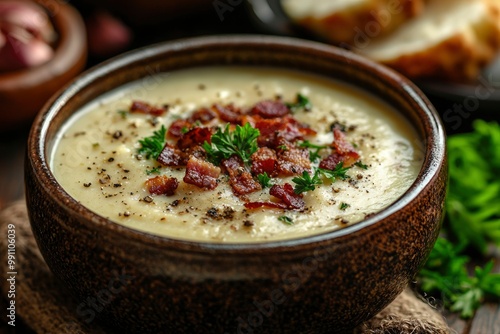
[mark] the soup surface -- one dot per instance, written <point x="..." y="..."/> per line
<point x="336" y="155"/>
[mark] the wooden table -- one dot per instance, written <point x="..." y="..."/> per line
<point x="12" y="150"/>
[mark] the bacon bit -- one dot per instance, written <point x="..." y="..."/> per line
<point x="201" y="173"/>
<point x="274" y="130"/>
<point x="272" y="205"/>
<point x="340" y="143"/>
<point x="286" y="194"/>
<point x="162" y="185"/>
<point x="293" y="161"/>
<point x="171" y="156"/>
<point x="146" y="108"/>
<point x="270" y="109"/>
<point x="194" y="137"/>
<point x="344" y="152"/>
<point x="202" y="115"/>
<point x="264" y="161"/>
<point x="228" y="113"/>
<point x="175" y="129"/>
<point x="240" y="179"/>
<point x="331" y="161"/>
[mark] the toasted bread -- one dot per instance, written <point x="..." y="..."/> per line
<point x="451" y="40"/>
<point x="341" y="21"/>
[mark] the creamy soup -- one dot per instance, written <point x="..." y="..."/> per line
<point x="98" y="158"/>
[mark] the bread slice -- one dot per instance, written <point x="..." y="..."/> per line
<point x="342" y="21"/>
<point x="451" y="40"/>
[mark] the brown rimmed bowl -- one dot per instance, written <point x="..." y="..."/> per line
<point x="328" y="282"/>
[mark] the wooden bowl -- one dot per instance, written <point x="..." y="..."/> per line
<point x="23" y="92"/>
<point x="324" y="283"/>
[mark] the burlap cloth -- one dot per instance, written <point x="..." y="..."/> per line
<point x="45" y="306"/>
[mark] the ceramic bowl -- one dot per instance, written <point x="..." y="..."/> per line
<point x="324" y="283"/>
<point x="24" y="92"/>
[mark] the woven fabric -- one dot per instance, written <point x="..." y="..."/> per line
<point x="46" y="307"/>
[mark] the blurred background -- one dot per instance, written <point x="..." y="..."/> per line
<point x="46" y="43"/>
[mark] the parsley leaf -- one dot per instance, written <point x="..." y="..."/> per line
<point x="306" y="182"/>
<point x="155" y="170"/>
<point x="153" y="145"/>
<point x="313" y="154"/>
<point x="360" y="164"/>
<point x="472" y="223"/>
<point x="241" y="142"/>
<point x="286" y="220"/>
<point x="264" y="180"/>
<point x="344" y="206"/>
<point x="338" y="172"/>
<point x="302" y="102"/>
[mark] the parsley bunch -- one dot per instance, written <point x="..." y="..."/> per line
<point x="241" y="142"/>
<point x="472" y="222"/>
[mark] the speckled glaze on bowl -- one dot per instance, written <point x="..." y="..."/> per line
<point x="324" y="283"/>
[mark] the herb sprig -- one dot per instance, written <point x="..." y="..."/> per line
<point x="302" y="103"/>
<point x="306" y="182"/>
<point x="241" y="142"/>
<point x="264" y="180"/>
<point x="472" y="223"/>
<point x="152" y="146"/>
<point x="313" y="154"/>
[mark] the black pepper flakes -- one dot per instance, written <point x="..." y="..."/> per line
<point x="117" y="134"/>
<point x="148" y="199"/>
<point x="86" y="185"/>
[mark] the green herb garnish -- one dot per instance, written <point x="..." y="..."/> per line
<point x="123" y="113"/>
<point x="306" y="182"/>
<point x="302" y="103"/>
<point x="472" y="223"/>
<point x="241" y="142"/>
<point x="264" y="180"/>
<point x="286" y="220"/>
<point x="153" y="145"/>
<point x="313" y="154"/>
<point x="338" y="172"/>
<point x="154" y="170"/>
<point x="446" y="272"/>
<point x="361" y="165"/>
<point x="344" y="206"/>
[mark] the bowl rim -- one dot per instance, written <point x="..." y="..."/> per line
<point x="434" y="161"/>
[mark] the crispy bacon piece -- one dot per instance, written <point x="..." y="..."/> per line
<point x="240" y="179"/>
<point x="293" y="160"/>
<point x="193" y="137"/>
<point x="175" y="129"/>
<point x="264" y="161"/>
<point x="331" y="161"/>
<point x="201" y="173"/>
<point x="340" y="143"/>
<point x="270" y="109"/>
<point x="275" y="130"/>
<point x="162" y="185"/>
<point x="228" y="113"/>
<point x="146" y="108"/>
<point x="203" y="115"/>
<point x="289" y="199"/>
<point x="344" y="152"/>
<point x="172" y="156"/>
<point x="286" y="194"/>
